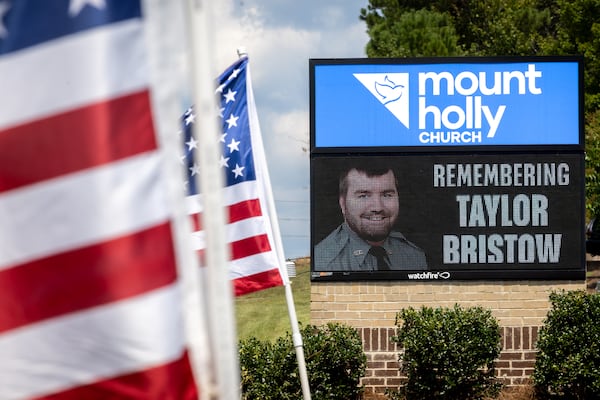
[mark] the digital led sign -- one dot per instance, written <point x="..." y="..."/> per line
<point x="362" y="103"/>
<point x="447" y="169"/>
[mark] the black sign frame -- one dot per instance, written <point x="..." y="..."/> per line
<point x="414" y="168"/>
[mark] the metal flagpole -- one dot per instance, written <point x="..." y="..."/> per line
<point x="166" y="40"/>
<point x="296" y="336"/>
<point x="297" y="339"/>
<point x="218" y="289"/>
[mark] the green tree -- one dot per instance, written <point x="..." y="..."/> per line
<point x="576" y="30"/>
<point x="417" y="34"/>
<point x="491" y="27"/>
<point x="592" y="162"/>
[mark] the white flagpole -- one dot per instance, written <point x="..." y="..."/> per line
<point x="259" y="155"/>
<point x="219" y="288"/>
<point x="166" y="40"/>
<point x="297" y="340"/>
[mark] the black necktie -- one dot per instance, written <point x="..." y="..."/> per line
<point x="381" y="255"/>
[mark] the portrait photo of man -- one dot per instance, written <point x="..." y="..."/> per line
<point x="366" y="239"/>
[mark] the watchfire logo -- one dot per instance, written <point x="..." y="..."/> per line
<point x="429" y="275"/>
<point x="464" y="119"/>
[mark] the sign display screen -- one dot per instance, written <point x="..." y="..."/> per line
<point x="446" y="104"/>
<point x="473" y="216"/>
<point x="457" y="169"/>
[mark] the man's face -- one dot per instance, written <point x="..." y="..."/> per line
<point x="370" y="205"/>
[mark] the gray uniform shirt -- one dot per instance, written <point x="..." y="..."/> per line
<point x="343" y="250"/>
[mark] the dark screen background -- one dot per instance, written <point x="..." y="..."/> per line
<point x="428" y="213"/>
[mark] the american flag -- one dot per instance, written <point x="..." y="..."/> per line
<point x="89" y="290"/>
<point x="255" y="262"/>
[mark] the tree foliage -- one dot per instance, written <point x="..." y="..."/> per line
<point x="592" y="162"/>
<point x="568" y="362"/>
<point x="416" y="28"/>
<point x="417" y="34"/>
<point x="491" y="27"/>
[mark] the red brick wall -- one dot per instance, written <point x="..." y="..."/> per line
<point x="383" y="370"/>
<point x="517" y="359"/>
<point x="514" y="367"/>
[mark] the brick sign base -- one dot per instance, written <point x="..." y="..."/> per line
<point x="514" y="367"/>
<point x="371" y="307"/>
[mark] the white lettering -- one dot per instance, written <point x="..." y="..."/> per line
<point x="473" y="114"/>
<point x="531" y="76"/>
<point x="479" y="210"/>
<point x="493" y="120"/>
<point x="454" y="117"/>
<point x="437" y="137"/>
<point x="468" y="83"/>
<point x="472" y="87"/>
<point x="517" y="174"/>
<point x="507" y="248"/>
<point x="451" y="249"/>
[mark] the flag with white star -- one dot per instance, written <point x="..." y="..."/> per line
<point x="256" y="263"/>
<point x="89" y="287"/>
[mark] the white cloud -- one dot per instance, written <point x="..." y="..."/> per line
<point x="280" y="37"/>
<point x="279" y="53"/>
<point x="287" y="143"/>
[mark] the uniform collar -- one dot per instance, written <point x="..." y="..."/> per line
<point x="359" y="248"/>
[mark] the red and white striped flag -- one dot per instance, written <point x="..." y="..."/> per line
<point x="256" y="256"/>
<point x="89" y="293"/>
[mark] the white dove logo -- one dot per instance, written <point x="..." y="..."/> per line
<point x="388" y="91"/>
<point x="391" y="89"/>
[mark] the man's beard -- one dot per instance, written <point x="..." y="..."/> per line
<point x="372" y="232"/>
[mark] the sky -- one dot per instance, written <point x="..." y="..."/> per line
<point x="280" y="37"/>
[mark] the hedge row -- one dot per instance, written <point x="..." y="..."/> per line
<point x="447" y="354"/>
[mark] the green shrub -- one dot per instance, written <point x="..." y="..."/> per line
<point x="568" y="361"/>
<point x="268" y="370"/>
<point x="335" y="362"/>
<point x="447" y="353"/>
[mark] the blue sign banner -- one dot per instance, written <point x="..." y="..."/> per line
<point x="529" y="102"/>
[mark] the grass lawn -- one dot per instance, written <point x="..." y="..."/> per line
<point x="264" y="314"/>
